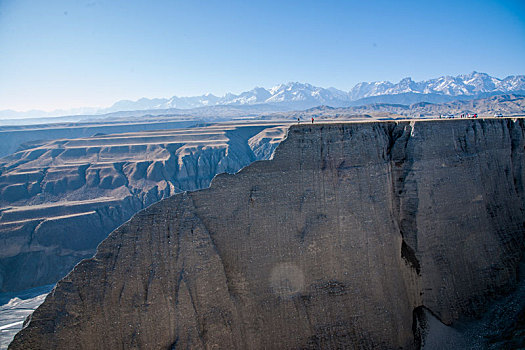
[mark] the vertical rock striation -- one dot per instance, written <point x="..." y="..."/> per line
<point x="341" y="241"/>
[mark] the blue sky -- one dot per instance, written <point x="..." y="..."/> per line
<point x="73" y="53"/>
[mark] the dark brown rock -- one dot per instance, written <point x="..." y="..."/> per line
<point x="338" y="242"/>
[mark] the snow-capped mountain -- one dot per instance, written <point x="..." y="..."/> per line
<point x="254" y="96"/>
<point x="165" y="103"/>
<point x="298" y="92"/>
<point x="297" y="95"/>
<point x="302" y="96"/>
<point x="463" y="85"/>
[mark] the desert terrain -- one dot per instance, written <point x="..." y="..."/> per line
<point x="389" y="203"/>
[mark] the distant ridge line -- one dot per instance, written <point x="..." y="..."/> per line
<point x="296" y="95"/>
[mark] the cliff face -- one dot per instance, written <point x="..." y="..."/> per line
<point x="342" y="240"/>
<point x="60" y="199"/>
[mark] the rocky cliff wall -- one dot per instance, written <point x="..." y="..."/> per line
<point x="344" y="240"/>
<point x="60" y="199"/>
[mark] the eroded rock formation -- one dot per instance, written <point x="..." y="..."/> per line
<point x="343" y="240"/>
<point x="18" y="137"/>
<point x="60" y="199"/>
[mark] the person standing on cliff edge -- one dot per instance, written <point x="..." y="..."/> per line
<point x="312" y="120"/>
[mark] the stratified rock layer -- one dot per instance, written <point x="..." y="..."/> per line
<point x="60" y="199"/>
<point x="340" y="241"/>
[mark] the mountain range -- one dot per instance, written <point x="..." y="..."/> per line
<point x="295" y="95"/>
<point x="504" y="105"/>
<point x="302" y="95"/>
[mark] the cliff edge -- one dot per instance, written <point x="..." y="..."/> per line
<point x="345" y="239"/>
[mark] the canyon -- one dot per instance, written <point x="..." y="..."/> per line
<point x="17" y="137"/>
<point x="59" y="199"/>
<point x="352" y="235"/>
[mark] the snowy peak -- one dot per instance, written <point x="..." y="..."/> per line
<point x="299" y="92"/>
<point x="296" y="95"/>
<point x="370" y="89"/>
<point x="304" y="95"/>
<point x="254" y="96"/>
<point x="463" y="85"/>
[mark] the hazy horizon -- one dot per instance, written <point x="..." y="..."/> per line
<point x="64" y="55"/>
<point x="93" y="109"/>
